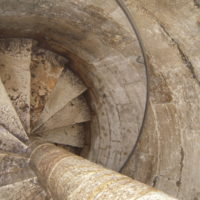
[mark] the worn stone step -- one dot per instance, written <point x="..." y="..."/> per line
<point x="8" y="116"/>
<point x="28" y="189"/>
<point x="10" y="143"/>
<point x="16" y="175"/>
<point x="74" y="112"/>
<point x="11" y="162"/>
<point x="46" y="68"/>
<point x="15" y="59"/>
<point x="71" y="135"/>
<point x="68" y="87"/>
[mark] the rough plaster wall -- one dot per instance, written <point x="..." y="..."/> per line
<point x="167" y="155"/>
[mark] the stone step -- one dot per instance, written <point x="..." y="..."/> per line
<point x="68" y="87"/>
<point x="71" y="135"/>
<point x="28" y="189"/>
<point x="16" y="175"/>
<point x="46" y="68"/>
<point x="15" y="59"/>
<point x="11" y="162"/>
<point x="10" y="143"/>
<point x="74" y="112"/>
<point x="8" y="116"/>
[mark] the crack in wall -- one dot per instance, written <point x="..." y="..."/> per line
<point x="184" y="57"/>
<point x="157" y="173"/>
<point x="179" y="182"/>
<point x="189" y="65"/>
<point x="155" y="180"/>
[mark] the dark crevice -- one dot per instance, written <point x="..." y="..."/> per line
<point x="155" y="180"/>
<point x="184" y="57"/>
<point x="197" y="3"/>
<point x="179" y="182"/>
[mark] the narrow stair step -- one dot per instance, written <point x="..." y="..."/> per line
<point x="71" y="135"/>
<point x="68" y="87"/>
<point x="15" y="59"/>
<point x="16" y="175"/>
<point x="46" y="68"/>
<point x="28" y="189"/>
<point x="8" y="116"/>
<point x="11" y="162"/>
<point x="10" y="143"/>
<point x="76" y="111"/>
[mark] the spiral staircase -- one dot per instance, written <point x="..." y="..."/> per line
<point x="72" y="74"/>
<point x="74" y="77"/>
<point x="40" y="98"/>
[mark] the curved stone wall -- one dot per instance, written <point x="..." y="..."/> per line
<point x="104" y="52"/>
<point x="167" y="156"/>
<point x="98" y="40"/>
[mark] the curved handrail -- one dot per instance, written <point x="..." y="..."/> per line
<point x="136" y="31"/>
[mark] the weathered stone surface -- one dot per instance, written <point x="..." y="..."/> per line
<point x="17" y="175"/>
<point x="10" y="143"/>
<point x="46" y="68"/>
<point x="11" y="162"/>
<point x="68" y="87"/>
<point x="167" y="155"/>
<point x="71" y="177"/>
<point x="74" y="112"/>
<point x="15" y="58"/>
<point x="25" y="190"/>
<point x="168" y="145"/>
<point x="71" y="135"/>
<point x="8" y="116"/>
<point x="103" y="52"/>
<point x="13" y="168"/>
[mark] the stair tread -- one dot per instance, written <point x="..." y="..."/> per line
<point x="68" y="87"/>
<point x="8" y="116"/>
<point x="27" y="189"/>
<point x="46" y="68"/>
<point x="71" y="135"/>
<point x="74" y="112"/>
<point x="16" y="175"/>
<point x="10" y="143"/>
<point x="10" y="163"/>
<point x="14" y="154"/>
<point x="15" y="58"/>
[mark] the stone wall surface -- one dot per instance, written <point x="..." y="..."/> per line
<point x="167" y="155"/>
<point x="103" y="50"/>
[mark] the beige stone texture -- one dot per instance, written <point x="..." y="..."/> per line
<point x="8" y="116"/>
<point x="10" y="162"/>
<point x="46" y="68"/>
<point x="10" y="143"/>
<point x="167" y="155"/>
<point x="15" y="59"/>
<point x="104" y="52"/>
<point x="17" y="175"/>
<point x="68" y="87"/>
<point x="28" y="189"/>
<point x="96" y="38"/>
<point x="71" y="135"/>
<point x="71" y="177"/>
<point x="76" y="111"/>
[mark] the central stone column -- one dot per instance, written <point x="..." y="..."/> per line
<point x="70" y="177"/>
